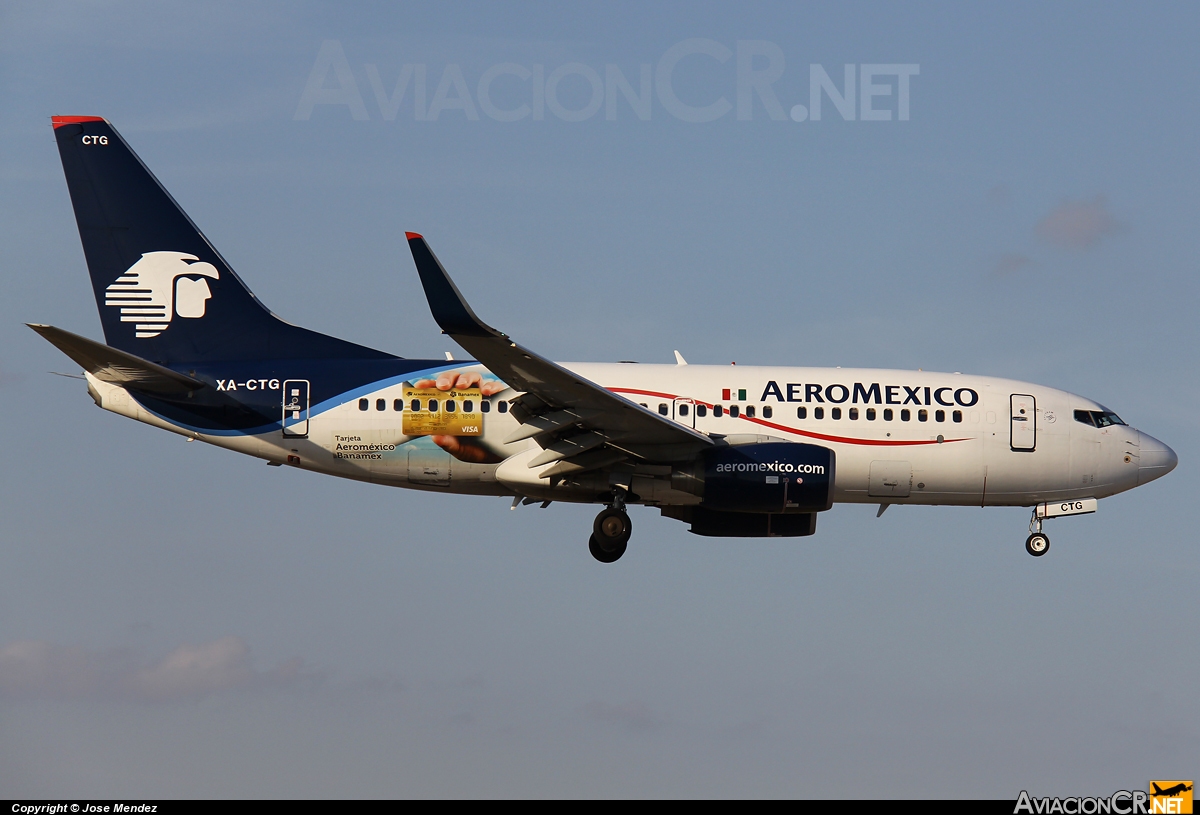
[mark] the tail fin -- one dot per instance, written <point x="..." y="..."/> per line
<point x="164" y="293"/>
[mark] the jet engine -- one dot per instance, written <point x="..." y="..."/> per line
<point x="759" y="490"/>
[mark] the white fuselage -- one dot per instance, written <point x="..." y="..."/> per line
<point x="906" y="437"/>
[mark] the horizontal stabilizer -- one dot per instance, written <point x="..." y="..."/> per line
<point x="117" y="367"/>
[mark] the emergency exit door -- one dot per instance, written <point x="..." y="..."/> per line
<point x="1022" y="421"/>
<point x="295" y="407"/>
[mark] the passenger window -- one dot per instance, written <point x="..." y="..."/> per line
<point x="870" y="414"/>
<point x="381" y="404"/>
<point x="835" y="413"/>
<point x="767" y="412"/>
<point x="957" y="415"/>
<point x="397" y="404"/>
<point x="364" y="404"/>
<point x="450" y="405"/>
<point x="683" y="409"/>
<point x="485" y="406"/>
<point x="905" y="415"/>
<point x="468" y="406"/>
<point x="416" y="405"/>
<point x="718" y="411"/>
<point x="818" y="413"/>
<point x="433" y="405"/>
<point x="750" y="411"/>
<point x="801" y="413"/>
<point x="701" y="411"/>
<point x="662" y="409"/>
<point x="922" y="415"/>
<point x="854" y="414"/>
<point x="735" y="410"/>
<point x="887" y="414"/>
<point x="940" y="415"/>
<point x="502" y="406"/>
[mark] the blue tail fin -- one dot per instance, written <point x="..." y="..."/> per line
<point x="164" y="293"/>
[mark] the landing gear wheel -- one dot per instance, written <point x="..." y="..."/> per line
<point x="1037" y="544"/>
<point x="606" y="555"/>
<point x="612" y="528"/>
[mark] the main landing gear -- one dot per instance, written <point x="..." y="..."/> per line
<point x="1038" y="543"/>
<point x="610" y="532"/>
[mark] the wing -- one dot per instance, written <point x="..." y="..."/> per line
<point x="580" y="424"/>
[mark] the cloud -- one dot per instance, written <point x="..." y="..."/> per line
<point x="1010" y="262"/>
<point x="39" y="669"/>
<point x="42" y="670"/>
<point x="193" y="671"/>
<point x="633" y="715"/>
<point x="1078" y="224"/>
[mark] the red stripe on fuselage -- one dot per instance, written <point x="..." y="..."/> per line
<point x="807" y="433"/>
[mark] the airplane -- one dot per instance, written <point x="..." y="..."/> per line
<point x="734" y="451"/>
<point x="1170" y="792"/>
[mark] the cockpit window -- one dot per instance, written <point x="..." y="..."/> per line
<point x="1098" y="418"/>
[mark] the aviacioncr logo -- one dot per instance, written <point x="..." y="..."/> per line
<point x="158" y="287"/>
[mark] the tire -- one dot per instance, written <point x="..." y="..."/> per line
<point x="1037" y="544"/>
<point x="610" y="555"/>
<point x="612" y="528"/>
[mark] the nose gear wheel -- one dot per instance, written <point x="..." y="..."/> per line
<point x="1037" y="544"/>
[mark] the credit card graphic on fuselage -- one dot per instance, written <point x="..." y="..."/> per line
<point x="433" y="412"/>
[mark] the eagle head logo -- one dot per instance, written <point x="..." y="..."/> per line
<point x="158" y="287"/>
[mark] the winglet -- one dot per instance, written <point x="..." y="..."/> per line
<point x="446" y="303"/>
<point x="411" y="235"/>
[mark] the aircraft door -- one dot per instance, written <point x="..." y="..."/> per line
<point x="1022" y="421"/>
<point x="684" y="412"/>
<point x="295" y="407"/>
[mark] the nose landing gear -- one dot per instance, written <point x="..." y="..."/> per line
<point x="610" y="532"/>
<point x="1038" y="543"/>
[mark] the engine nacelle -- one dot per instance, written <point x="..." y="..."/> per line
<point x="713" y="523"/>
<point x="770" y="477"/>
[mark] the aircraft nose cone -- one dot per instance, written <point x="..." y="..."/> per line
<point x="1156" y="459"/>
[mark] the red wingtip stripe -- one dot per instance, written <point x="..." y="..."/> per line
<point x="412" y="235"/>
<point x="59" y="121"/>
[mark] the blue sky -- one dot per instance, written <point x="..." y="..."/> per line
<point x="176" y="620"/>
